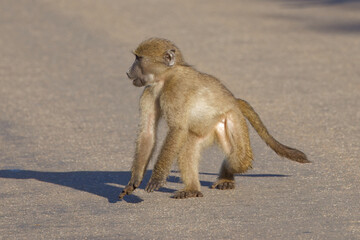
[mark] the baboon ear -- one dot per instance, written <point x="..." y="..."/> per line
<point x="169" y="57"/>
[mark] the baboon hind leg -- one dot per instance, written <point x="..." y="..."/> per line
<point x="233" y="136"/>
<point x="188" y="161"/>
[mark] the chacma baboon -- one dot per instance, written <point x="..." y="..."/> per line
<point x="198" y="110"/>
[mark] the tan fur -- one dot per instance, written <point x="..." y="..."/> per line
<point x="198" y="110"/>
<point x="280" y="149"/>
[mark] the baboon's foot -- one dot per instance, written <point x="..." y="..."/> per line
<point x="187" y="194"/>
<point x="224" y="184"/>
<point x="154" y="184"/>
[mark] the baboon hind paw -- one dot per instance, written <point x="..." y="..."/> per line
<point x="187" y="194"/>
<point x="224" y="184"/>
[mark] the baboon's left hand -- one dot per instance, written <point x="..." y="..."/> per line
<point x="154" y="184"/>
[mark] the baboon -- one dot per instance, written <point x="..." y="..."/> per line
<point x="198" y="110"/>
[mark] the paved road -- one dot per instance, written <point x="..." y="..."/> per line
<point x="68" y="118"/>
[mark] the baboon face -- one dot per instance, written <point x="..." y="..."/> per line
<point x="152" y="58"/>
<point x="138" y="74"/>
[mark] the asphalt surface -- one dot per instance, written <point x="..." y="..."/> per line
<point x="69" y="117"/>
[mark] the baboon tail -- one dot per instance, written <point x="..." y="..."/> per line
<point x="280" y="149"/>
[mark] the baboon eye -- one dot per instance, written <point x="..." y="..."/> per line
<point x="138" y="57"/>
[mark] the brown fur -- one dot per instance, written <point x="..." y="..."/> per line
<point x="198" y="110"/>
<point x="280" y="149"/>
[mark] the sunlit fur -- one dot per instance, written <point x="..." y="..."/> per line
<point x="198" y="110"/>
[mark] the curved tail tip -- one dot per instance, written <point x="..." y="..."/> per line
<point x="296" y="155"/>
<point x="301" y="157"/>
<point x="304" y="160"/>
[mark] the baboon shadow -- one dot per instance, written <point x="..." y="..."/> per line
<point x="101" y="183"/>
<point x="209" y="184"/>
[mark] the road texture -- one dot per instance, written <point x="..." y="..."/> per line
<point x="69" y="117"/>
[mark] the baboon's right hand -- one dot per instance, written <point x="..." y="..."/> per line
<point x="132" y="185"/>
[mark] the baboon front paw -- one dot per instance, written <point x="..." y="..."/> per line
<point x="132" y="185"/>
<point x="154" y="185"/>
<point x="224" y="184"/>
<point x="187" y="194"/>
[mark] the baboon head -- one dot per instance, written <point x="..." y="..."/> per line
<point x="152" y="58"/>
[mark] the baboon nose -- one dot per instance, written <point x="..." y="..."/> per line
<point x="128" y="75"/>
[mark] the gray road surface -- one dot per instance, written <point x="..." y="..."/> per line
<point x="68" y="118"/>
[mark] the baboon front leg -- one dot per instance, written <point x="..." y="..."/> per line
<point x="174" y="140"/>
<point x="188" y="161"/>
<point x="144" y="151"/>
<point x="150" y="114"/>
